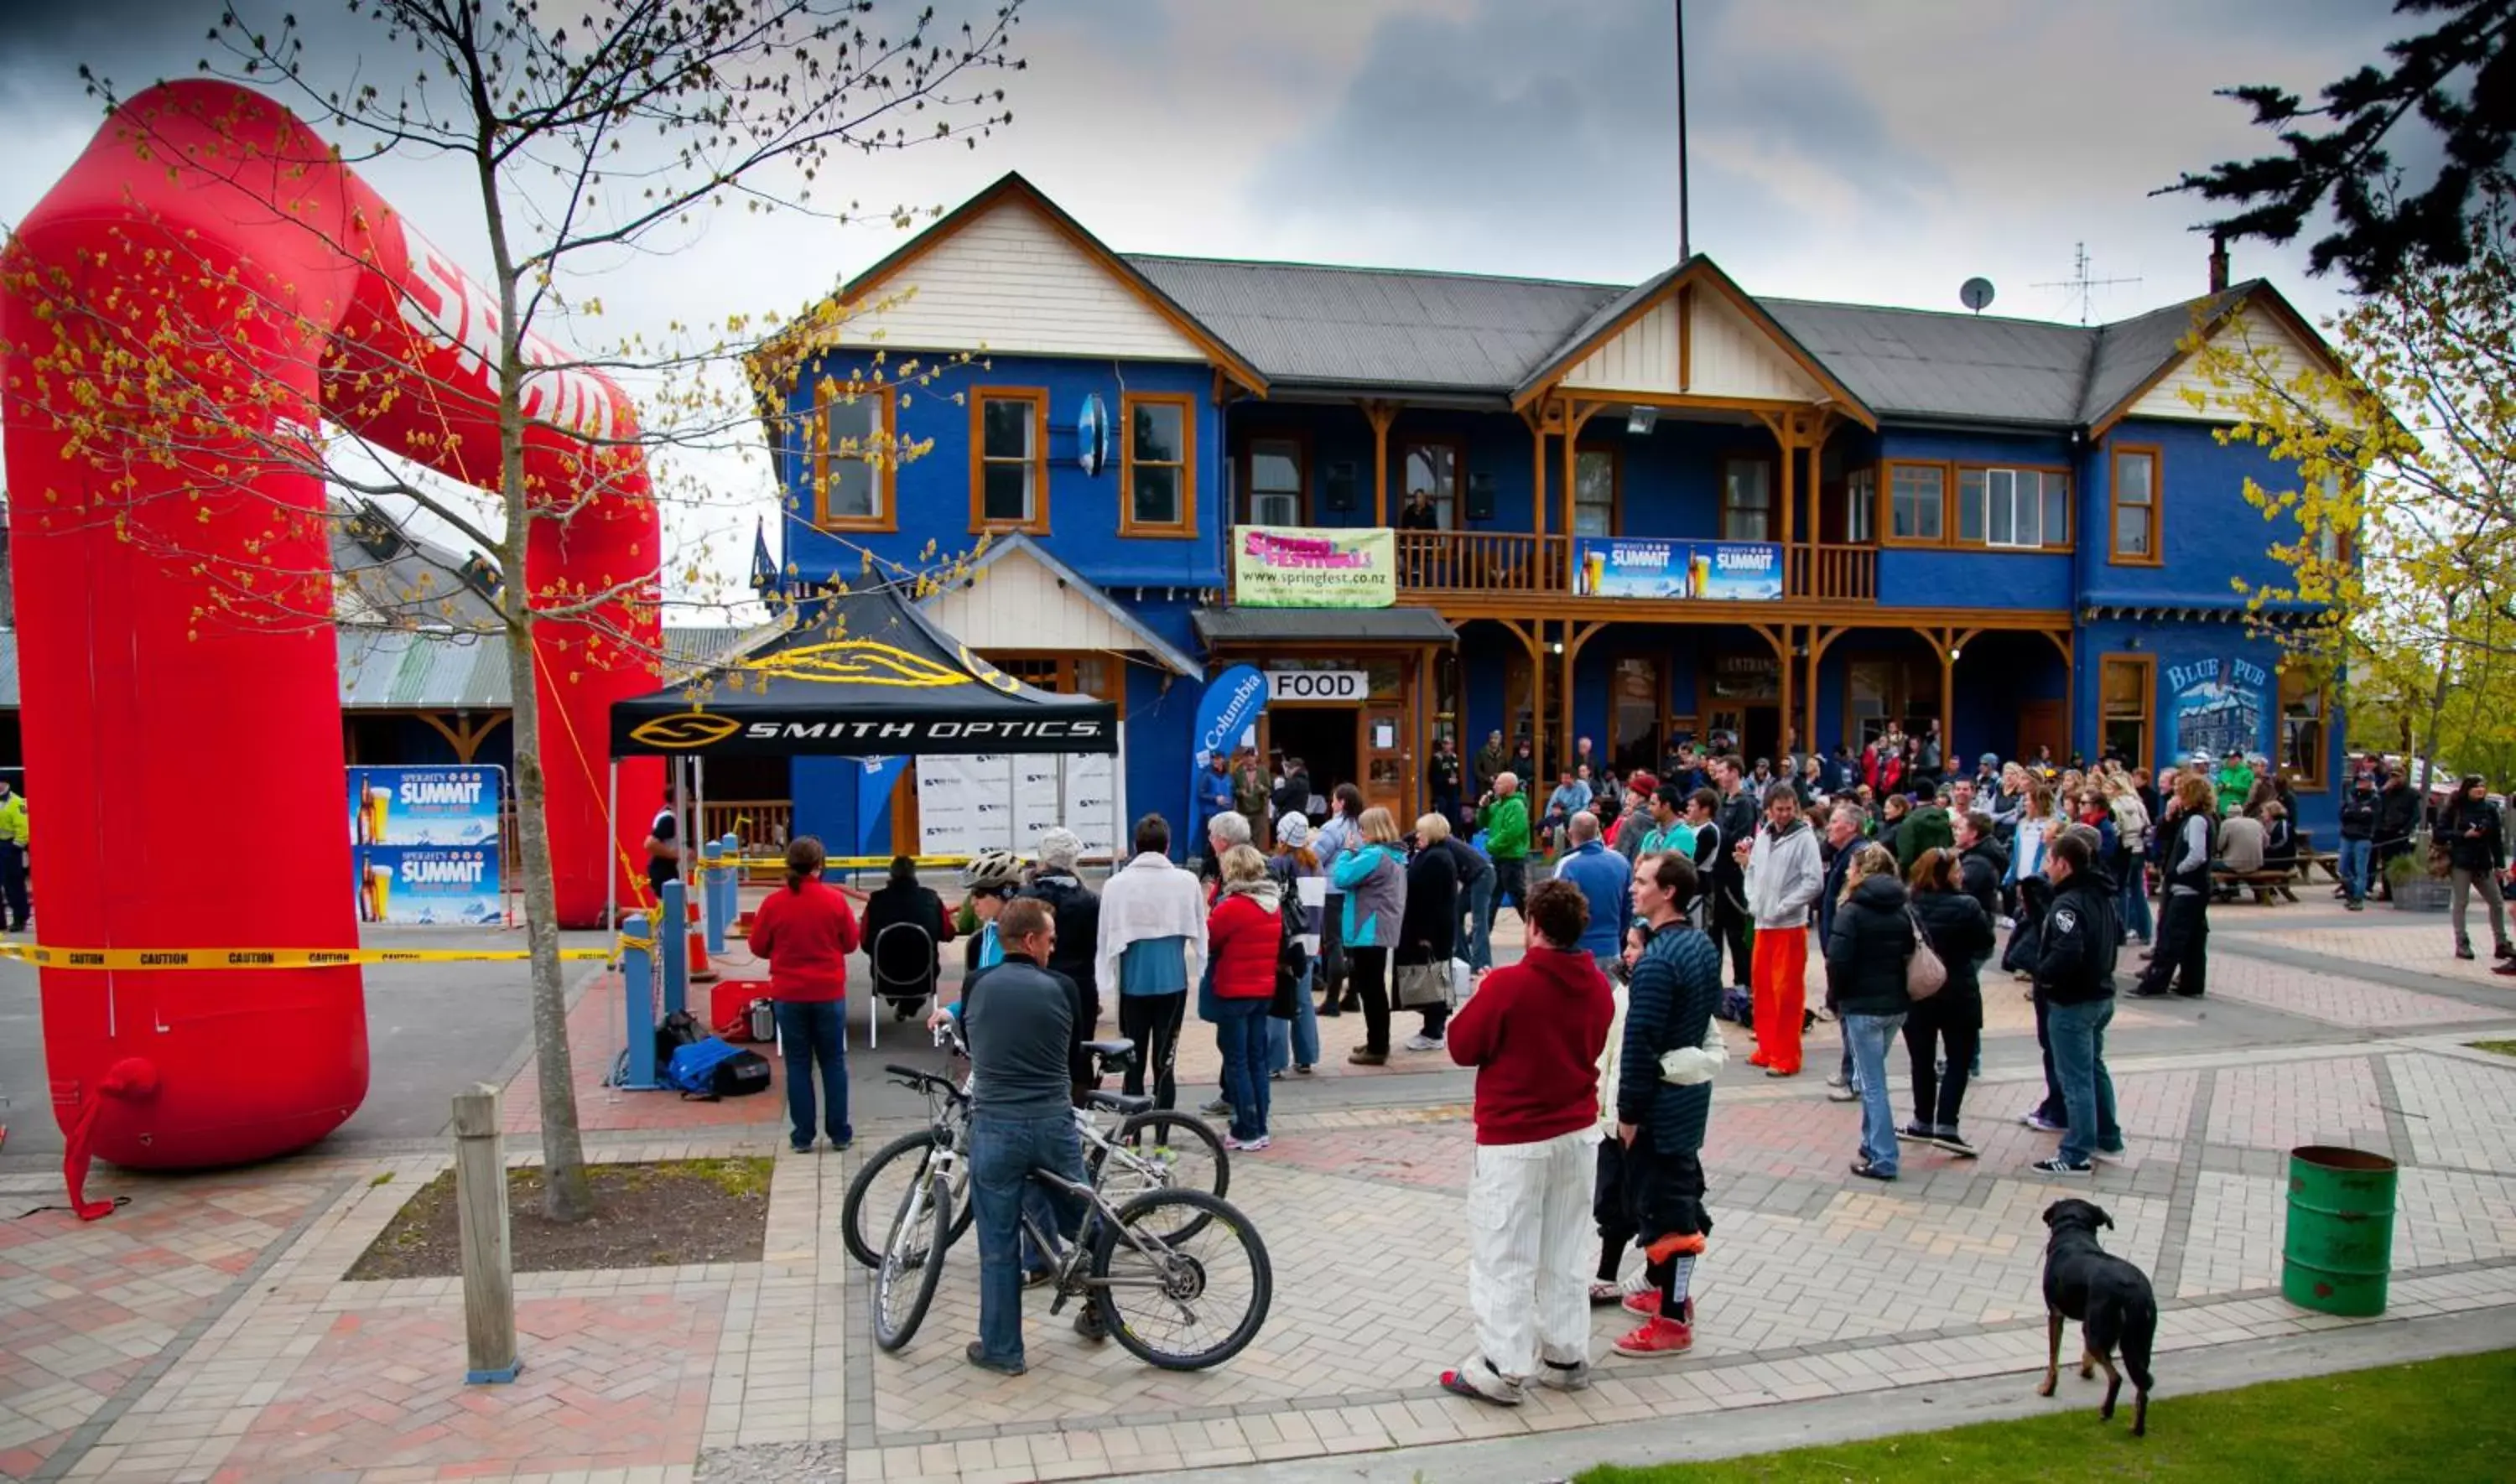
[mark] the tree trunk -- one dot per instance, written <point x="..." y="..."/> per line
<point x="565" y="1194"/>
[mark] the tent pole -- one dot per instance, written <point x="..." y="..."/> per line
<point x="698" y="815"/>
<point x="681" y="818"/>
<point x="1013" y="803"/>
<point x="612" y="852"/>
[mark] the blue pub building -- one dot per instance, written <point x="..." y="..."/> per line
<point x="1656" y="511"/>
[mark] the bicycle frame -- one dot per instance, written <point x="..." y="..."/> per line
<point x="1069" y="1283"/>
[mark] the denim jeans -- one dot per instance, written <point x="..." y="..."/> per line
<point x="1511" y="880"/>
<point x="1296" y="1042"/>
<point x="2132" y="907"/>
<point x="815" y="1032"/>
<point x="2079" y="1035"/>
<point x="1003" y="1152"/>
<point x="1240" y="1031"/>
<point x="2354" y="868"/>
<point x="1871" y="1035"/>
<point x="1477" y="932"/>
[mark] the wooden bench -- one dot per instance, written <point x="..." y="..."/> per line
<point x="2309" y="861"/>
<point x="2261" y="882"/>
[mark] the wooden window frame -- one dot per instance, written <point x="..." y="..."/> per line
<point x="1458" y="447"/>
<point x="2114" y="555"/>
<point x="1851" y="506"/>
<point x="2320" y="780"/>
<point x="1242" y="490"/>
<point x="1659" y="664"/>
<point x="1615" y="485"/>
<point x="1185" y="528"/>
<point x="829" y="393"/>
<point x="1951" y="493"/>
<point x="1037" y="398"/>
<point x="1773" y="495"/>
<point x="1887" y="536"/>
<point x="2146" y="665"/>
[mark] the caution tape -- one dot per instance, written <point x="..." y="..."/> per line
<point x="119" y="959"/>
<point x="839" y="862"/>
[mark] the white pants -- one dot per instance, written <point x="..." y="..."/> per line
<point x="1531" y="1249"/>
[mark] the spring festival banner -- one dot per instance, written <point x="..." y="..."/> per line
<point x="1290" y="567"/>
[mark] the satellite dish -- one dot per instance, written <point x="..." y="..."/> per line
<point x="1975" y="294"/>
<point x="1092" y="434"/>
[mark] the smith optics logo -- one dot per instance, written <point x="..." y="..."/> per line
<point x="688" y="728"/>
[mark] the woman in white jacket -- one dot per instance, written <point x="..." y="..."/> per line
<point x="1783" y="876"/>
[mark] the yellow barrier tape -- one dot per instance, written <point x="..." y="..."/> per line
<point x="842" y="862"/>
<point x="272" y="957"/>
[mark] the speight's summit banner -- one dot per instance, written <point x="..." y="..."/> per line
<point x="430" y="885"/>
<point x="425" y="805"/>
<point x="1623" y="566"/>
<point x="1300" y="567"/>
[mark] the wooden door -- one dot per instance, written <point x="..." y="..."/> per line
<point x="2044" y="723"/>
<point x="1381" y="741"/>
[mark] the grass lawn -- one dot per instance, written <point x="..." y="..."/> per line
<point x="2441" y="1421"/>
<point x="2502" y="1048"/>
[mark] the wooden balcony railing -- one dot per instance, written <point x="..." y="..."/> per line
<point x="1482" y="561"/>
<point x="1837" y="573"/>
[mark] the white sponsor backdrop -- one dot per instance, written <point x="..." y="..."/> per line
<point x="967" y="802"/>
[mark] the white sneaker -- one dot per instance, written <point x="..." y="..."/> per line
<point x="1425" y="1043"/>
<point x="1246" y="1146"/>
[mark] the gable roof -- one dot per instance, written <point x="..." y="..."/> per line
<point x="1918" y="363"/>
<point x="1001" y="547"/>
<point x="1312" y="325"/>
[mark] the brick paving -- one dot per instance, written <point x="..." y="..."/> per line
<point x="205" y="1331"/>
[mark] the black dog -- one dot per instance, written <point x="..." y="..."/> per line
<point x="2110" y="1298"/>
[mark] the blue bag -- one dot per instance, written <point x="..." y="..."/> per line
<point x="712" y="1069"/>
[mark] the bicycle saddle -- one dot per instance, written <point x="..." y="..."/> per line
<point x="1119" y="1103"/>
<point x="1119" y="1046"/>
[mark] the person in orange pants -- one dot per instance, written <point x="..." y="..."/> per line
<point x="1783" y="878"/>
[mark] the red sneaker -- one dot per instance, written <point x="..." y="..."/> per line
<point x="1645" y="1303"/>
<point x="1658" y="1336"/>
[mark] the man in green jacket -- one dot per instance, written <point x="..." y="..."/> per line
<point x="12" y="860"/>
<point x="1927" y="828"/>
<point x="1502" y="816"/>
<point x="2235" y="782"/>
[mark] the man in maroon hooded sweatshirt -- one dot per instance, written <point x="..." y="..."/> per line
<point x="1534" y="1031"/>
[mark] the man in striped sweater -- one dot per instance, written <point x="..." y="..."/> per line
<point x="1661" y="1123"/>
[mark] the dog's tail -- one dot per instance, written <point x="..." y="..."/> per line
<point x="2124" y="1322"/>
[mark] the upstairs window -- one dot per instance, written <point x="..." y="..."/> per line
<point x="1596" y="473"/>
<point x="1275" y="481"/>
<point x="1746" y="500"/>
<point x="1157" y="476"/>
<point x="852" y="444"/>
<point x="2136" y="506"/>
<point x="1861" y="507"/>
<point x="1432" y="469"/>
<point x="1917" y="502"/>
<point x="2014" y="508"/>
<point x="1008" y="459"/>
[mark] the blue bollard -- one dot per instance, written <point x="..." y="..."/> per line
<point x="638" y="980"/>
<point x="730" y="901"/>
<point x="712" y="895"/>
<point x="673" y="947"/>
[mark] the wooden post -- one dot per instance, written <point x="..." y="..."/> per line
<point x="1537" y="420"/>
<point x="488" y="1258"/>
<point x="1380" y="415"/>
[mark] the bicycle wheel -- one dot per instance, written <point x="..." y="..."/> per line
<point x="882" y="1184"/>
<point x="913" y="1263"/>
<point x="1164" y="1150"/>
<point x="1180" y="1303"/>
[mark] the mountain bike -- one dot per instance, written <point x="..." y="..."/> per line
<point x="1142" y="1151"/>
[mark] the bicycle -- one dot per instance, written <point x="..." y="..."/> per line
<point x="1146" y="1150"/>
<point x="1156" y="1244"/>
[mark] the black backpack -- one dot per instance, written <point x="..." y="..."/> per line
<point x="1292" y="959"/>
<point x="679" y="1029"/>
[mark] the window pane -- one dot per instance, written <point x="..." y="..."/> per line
<point x="2133" y="481"/>
<point x="1274" y="469"/>
<point x="1156" y="495"/>
<point x="1433" y="468"/>
<point x="1275" y="510"/>
<point x="1157" y="436"/>
<point x="1970" y="508"/>
<point x="1916" y="494"/>
<point x="1594" y="493"/>
<point x="1006" y="429"/>
<point x="850" y="492"/>
<point x="2131" y="530"/>
<point x="2029" y="504"/>
<point x="2000" y="525"/>
<point x="854" y="421"/>
<point x="2057" y="509"/>
<point x="1007" y="492"/>
<point x="1861" y="505"/>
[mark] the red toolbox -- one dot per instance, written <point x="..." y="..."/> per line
<point x="728" y="1001"/>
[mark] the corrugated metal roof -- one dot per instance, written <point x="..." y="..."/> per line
<point x="1923" y="364"/>
<point x="397" y="670"/>
<point x="1243" y="625"/>
<point x="1353" y="326"/>
<point x="2132" y="351"/>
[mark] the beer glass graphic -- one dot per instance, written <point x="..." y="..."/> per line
<point x="379" y="892"/>
<point x="1698" y="575"/>
<point x="373" y="807"/>
<point x="1594" y="571"/>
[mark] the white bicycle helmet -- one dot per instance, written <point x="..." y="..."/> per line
<point x="992" y="871"/>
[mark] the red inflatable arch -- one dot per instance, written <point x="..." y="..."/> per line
<point x="186" y="763"/>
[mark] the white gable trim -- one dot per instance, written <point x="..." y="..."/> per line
<point x="2265" y="339"/>
<point x="1717" y="352"/>
<point x="1010" y="281"/>
<point x="1018" y="597"/>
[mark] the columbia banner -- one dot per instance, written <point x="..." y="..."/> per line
<point x="1735" y="571"/>
<point x="1293" y="566"/>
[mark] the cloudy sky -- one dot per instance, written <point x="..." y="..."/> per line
<point x="1875" y="150"/>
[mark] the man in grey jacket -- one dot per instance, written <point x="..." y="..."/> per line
<point x="1783" y="878"/>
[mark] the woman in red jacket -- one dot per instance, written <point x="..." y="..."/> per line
<point x="805" y="933"/>
<point x="1244" y="934"/>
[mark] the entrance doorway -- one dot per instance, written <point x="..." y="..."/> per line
<point x="1322" y="736"/>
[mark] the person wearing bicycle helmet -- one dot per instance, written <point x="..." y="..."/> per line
<point x="990" y="878"/>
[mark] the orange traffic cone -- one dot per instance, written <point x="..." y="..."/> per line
<point x="702" y="968"/>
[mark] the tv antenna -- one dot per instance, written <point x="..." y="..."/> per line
<point x="2079" y="285"/>
<point x="1975" y="294"/>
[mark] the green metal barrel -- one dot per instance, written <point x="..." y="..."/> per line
<point x="2340" y="1245"/>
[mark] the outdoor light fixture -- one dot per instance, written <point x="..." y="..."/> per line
<point x="1557" y="648"/>
<point x="1953" y="652"/>
<point x="1641" y="419"/>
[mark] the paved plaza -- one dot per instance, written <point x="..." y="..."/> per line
<point x="205" y="1332"/>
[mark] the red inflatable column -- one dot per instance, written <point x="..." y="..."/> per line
<point x="182" y="761"/>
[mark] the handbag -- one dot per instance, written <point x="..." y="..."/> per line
<point x="1924" y="974"/>
<point x="1422" y="986"/>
